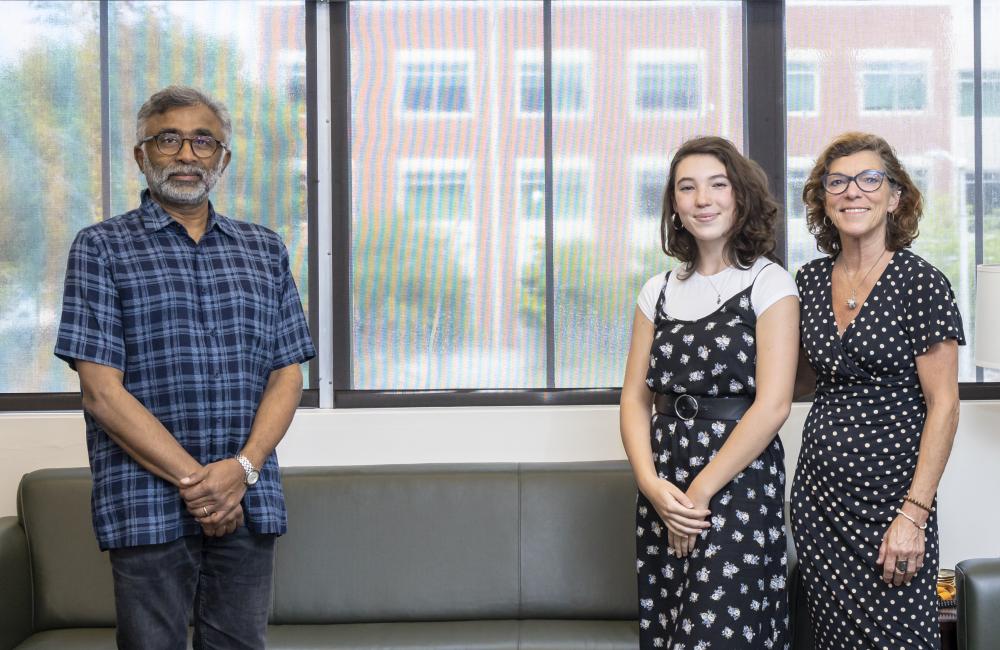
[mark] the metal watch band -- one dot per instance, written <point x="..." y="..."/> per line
<point x="246" y="465"/>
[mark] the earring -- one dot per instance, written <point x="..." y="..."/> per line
<point x="826" y="220"/>
<point x="675" y="221"/>
<point x="889" y="215"/>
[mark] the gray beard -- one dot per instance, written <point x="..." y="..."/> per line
<point x="177" y="192"/>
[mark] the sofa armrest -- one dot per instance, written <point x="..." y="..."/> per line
<point x="978" y="603"/>
<point x="15" y="576"/>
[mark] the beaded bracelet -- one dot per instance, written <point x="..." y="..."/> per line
<point x="923" y="507"/>
<point x="922" y="526"/>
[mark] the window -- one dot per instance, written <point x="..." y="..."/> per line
<point x="435" y="82"/>
<point x="434" y="190"/>
<point x="665" y="81"/>
<point x="650" y="179"/>
<point x="991" y="93"/>
<point x="802" y="87"/>
<point x="894" y="86"/>
<point x="800" y="242"/>
<point x="570" y="198"/>
<point x="248" y="55"/>
<point x="991" y="192"/>
<point x="571" y="74"/>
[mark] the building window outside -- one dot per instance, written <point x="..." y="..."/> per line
<point x="664" y="81"/>
<point x="991" y="191"/>
<point x="435" y="82"/>
<point x="802" y="87"/>
<point x="434" y="191"/>
<point x="649" y="179"/>
<point x="894" y="86"/>
<point x="991" y="93"/>
<point x="571" y="192"/>
<point x="571" y="83"/>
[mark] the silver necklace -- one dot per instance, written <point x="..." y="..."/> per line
<point x="718" y="294"/>
<point x="852" y="302"/>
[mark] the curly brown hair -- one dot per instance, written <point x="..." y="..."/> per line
<point x="752" y="234"/>
<point x="901" y="225"/>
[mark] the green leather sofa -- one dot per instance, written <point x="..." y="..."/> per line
<point x="497" y="556"/>
<point x="978" y="604"/>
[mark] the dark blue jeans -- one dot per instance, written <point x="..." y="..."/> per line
<point x="225" y="581"/>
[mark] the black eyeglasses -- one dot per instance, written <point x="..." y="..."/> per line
<point x="203" y="146"/>
<point x="867" y="181"/>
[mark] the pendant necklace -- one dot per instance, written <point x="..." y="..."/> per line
<point x="718" y="296"/>
<point x="852" y="302"/>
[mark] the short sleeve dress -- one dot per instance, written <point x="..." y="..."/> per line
<point x="859" y="452"/>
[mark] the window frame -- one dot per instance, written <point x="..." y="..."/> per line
<point x="438" y="166"/>
<point x="579" y="226"/>
<point x="809" y="58"/>
<point x="666" y="57"/>
<point x="919" y="57"/>
<point x="329" y="63"/>
<point x="561" y="56"/>
<point x="403" y="58"/>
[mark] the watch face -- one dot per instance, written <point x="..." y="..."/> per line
<point x="252" y="476"/>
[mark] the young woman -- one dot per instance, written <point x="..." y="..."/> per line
<point x="708" y="383"/>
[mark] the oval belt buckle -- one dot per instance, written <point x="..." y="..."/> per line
<point x="686" y="407"/>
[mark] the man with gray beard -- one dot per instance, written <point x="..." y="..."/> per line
<point x="187" y="332"/>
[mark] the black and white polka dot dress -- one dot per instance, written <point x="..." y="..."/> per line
<point x="730" y="591"/>
<point x="859" y="451"/>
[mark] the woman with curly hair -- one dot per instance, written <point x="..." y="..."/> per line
<point x="708" y="383"/>
<point x="880" y="334"/>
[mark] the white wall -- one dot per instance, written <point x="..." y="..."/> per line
<point x="967" y="497"/>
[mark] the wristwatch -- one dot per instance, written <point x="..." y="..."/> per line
<point x="252" y="473"/>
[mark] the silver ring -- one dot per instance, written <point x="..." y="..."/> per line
<point x="205" y="508"/>
<point x="901" y="566"/>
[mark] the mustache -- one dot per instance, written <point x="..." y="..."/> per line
<point x="184" y="170"/>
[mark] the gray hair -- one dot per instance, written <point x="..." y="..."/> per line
<point x="178" y="96"/>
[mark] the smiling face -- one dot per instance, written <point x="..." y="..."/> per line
<point x="857" y="214"/>
<point x="183" y="178"/>
<point x="704" y="198"/>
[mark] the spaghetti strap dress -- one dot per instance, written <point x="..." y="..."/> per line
<point x="729" y="592"/>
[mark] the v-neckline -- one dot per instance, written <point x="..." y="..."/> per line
<point x="861" y="308"/>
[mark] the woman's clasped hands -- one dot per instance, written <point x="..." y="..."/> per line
<point x="685" y="515"/>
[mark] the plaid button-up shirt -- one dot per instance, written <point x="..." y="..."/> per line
<point x="196" y="328"/>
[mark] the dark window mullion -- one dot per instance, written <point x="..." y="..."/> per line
<point x="977" y="109"/>
<point x="341" y="345"/>
<point x="105" y="112"/>
<point x="764" y="98"/>
<point x="550" y="302"/>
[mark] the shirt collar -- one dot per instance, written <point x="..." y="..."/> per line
<point x="155" y="218"/>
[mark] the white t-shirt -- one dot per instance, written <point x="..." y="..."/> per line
<point x="695" y="296"/>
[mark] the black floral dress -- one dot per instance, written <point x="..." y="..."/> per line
<point x="859" y="451"/>
<point x="730" y="591"/>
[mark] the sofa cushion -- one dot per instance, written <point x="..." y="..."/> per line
<point x="461" y="635"/>
<point x="578" y="635"/>
<point x="71" y="576"/>
<point x="398" y="543"/>
<point x="578" y="541"/>
<point x="83" y="638"/>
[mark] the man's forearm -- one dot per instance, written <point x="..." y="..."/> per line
<point x="274" y="415"/>
<point x="131" y="425"/>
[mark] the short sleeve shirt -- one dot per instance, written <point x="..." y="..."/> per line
<point x="196" y="329"/>
<point x="697" y="296"/>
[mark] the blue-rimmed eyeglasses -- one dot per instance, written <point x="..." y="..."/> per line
<point x="867" y="181"/>
<point x="203" y="146"/>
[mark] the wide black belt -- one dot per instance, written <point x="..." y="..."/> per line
<point x="689" y="407"/>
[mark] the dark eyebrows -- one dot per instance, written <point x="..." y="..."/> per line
<point x="711" y="178"/>
<point x="201" y="131"/>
